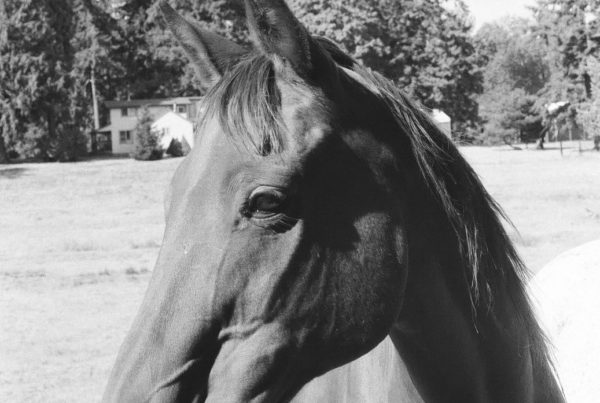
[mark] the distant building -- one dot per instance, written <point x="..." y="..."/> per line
<point x="173" y="125"/>
<point x="443" y="121"/>
<point x="172" y="119"/>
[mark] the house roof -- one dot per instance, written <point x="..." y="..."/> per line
<point x="151" y="102"/>
<point x="169" y="115"/>
<point x="124" y="125"/>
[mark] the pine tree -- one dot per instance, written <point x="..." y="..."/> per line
<point x="37" y="58"/>
<point x="5" y="118"/>
<point x="146" y="141"/>
<point x="96" y="71"/>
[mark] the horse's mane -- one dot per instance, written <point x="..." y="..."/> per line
<point x="489" y="257"/>
<point x="247" y="104"/>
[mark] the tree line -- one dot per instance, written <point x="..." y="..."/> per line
<point x="55" y="55"/>
<point x="59" y="56"/>
<point x="531" y="65"/>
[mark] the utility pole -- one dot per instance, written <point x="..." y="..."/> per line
<point x="95" y="101"/>
<point x="94" y="106"/>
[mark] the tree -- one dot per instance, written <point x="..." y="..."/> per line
<point x="6" y="120"/>
<point x="37" y="57"/>
<point x="568" y="33"/>
<point x="425" y="47"/>
<point x="153" y="64"/>
<point x="515" y="72"/>
<point x="146" y="141"/>
<point x="570" y="30"/>
<point x="589" y="111"/>
<point x="175" y="148"/>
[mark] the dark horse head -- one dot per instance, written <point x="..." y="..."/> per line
<point x="319" y="212"/>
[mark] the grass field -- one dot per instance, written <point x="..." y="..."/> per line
<point x="78" y="242"/>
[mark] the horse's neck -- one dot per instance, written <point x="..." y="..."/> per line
<point x="380" y="376"/>
<point x="450" y="358"/>
<point x="434" y="353"/>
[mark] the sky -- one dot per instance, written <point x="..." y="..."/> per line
<point x="489" y="10"/>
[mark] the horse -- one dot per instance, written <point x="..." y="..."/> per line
<point x="325" y="241"/>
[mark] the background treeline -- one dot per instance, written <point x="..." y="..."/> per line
<point x="530" y="65"/>
<point x="55" y="55"/>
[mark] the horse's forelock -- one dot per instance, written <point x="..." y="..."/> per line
<point x="247" y="105"/>
<point x="247" y="102"/>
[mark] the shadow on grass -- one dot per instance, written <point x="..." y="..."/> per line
<point x="12" y="173"/>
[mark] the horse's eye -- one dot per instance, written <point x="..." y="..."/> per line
<point x="266" y="201"/>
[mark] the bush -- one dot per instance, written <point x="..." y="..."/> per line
<point x="71" y="144"/>
<point x="175" y="149"/>
<point x="13" y="154"/>
<point x="146" y="141"/>
<point x="185" y="147"/>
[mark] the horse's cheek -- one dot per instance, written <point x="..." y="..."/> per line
<point x="367" y="286"/>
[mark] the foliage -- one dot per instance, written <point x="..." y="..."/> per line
<point x="95" y="41"/>
<point x="55" y="54"/>
<point x="563" y="26"/>
<point x="153" y="63"/>
<point x="516" y="71"/>
<point x="425" y="47"/>
<point x="589" y="111"/>
<point x="71" y="143"/>
<point x="570" y="30"/>
<point x="175" y="148"/>
<point x="146" y="142"/>
<point x="185" y="146"/>
<point x="37" y="58"/>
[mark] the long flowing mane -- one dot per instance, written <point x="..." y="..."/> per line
<point x="246" y="102"/>
<point x="490" y="260"/>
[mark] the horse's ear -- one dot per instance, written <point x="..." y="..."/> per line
<point x="210" y="53"/>
<point x="275" y="30"/>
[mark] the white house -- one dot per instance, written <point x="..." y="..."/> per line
<point x="174" y="126"/>
<point x="171" y="118"/>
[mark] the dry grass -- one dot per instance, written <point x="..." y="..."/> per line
<point x="553" y="201"/>
<point x="78" y="241"/>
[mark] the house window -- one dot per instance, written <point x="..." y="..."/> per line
<point x="128" y="112"/>
<point x="182" y="109"/>
<point x="125" y="137"/>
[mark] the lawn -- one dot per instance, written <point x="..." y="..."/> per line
<point x="78" y="242"/>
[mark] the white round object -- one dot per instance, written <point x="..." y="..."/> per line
<point x="566" y="293"/>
